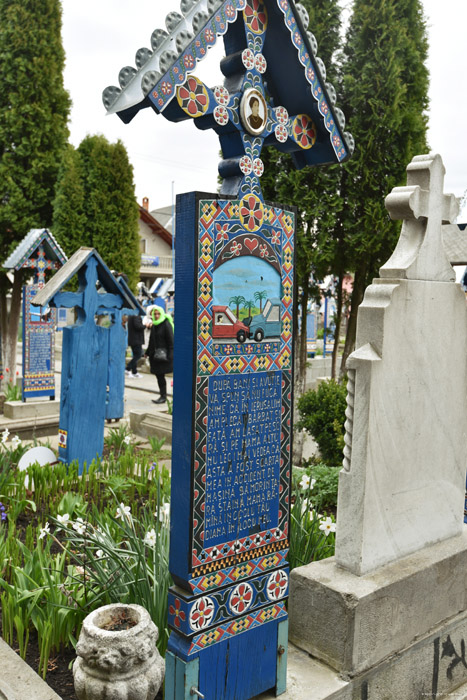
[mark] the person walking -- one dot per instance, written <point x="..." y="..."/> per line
<point x="160" y="349"/>
<point x="136" y="342"/>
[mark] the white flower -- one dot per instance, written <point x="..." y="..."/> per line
<point x="79" y="526"/>
<point x="127" y="439"/>
<point x="44" y="531"/>
<point x="64" y="520"/>
<point x="163" y="513"/>
<point x="123" y="511"/>
<point x="16" y="442"/>
<point x="99" y="554"/>
<point x="306" y="482"/>
<point x="5" y="435"/>
<point x="150" y="538"/>
<point x="327" y="526"/>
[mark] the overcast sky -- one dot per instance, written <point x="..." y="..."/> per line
<point x="102" y="36"/>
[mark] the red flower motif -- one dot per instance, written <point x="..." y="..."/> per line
<point x="304" y="132"/>
<point x="235" y="248"/>
<point x="242" y="598"/>
<point x="251" y="213"/>
<point x="263" y="250"/>
<point x="189" y="61"/>
<point x="230" y="11"/>
<point x="276" y="237"/>
<point x="209" y="36"/>
<point x="193" y="96"/>
<point x="255" y="17"/>
<point x="177" y="613"/>
<point x="222" y="232"/>
<point x="166" y="88"/>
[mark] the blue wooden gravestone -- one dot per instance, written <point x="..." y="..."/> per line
<point x="39" y="252"/>
<point x="85" y="352"/>
<point x="233" y="363"/>
<point x="118" y="341"/>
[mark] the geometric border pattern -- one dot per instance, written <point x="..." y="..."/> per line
<point x="236" y="627"/>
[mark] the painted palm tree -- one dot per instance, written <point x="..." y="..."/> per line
<point x="261" y="296"/>
<point x="249" y="305"/>
<point x="237" y="301"/>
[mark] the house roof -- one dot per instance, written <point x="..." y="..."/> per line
<point x="295" y="75"/>
<point x="155" y="226"/>
<point x="30" y="244"/>
<point x="107" y="280"/>
<point x="455" y="243"/>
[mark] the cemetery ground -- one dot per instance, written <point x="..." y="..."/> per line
<point x="70" y="544"/>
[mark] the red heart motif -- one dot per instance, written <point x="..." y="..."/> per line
<point x="251" y="243"/>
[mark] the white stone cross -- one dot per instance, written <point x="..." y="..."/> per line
<point x="424" y="208"/>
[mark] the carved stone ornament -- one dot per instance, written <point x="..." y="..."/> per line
<point x="117" y="655"/>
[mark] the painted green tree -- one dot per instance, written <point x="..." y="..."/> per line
<point x="236" y="301"/>
<point x="96" y="194"/>
<point x="385" y="98"/>
<point x="34" y="109"/>
<point x="261" y="296"/>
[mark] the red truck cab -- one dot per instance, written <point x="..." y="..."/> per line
<point x="225" y="325"/>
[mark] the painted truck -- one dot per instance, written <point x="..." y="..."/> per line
<point x="225" y="325"/>
<point x="268" y="323"/>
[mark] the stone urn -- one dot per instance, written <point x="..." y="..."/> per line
<point x="117" y="655"/>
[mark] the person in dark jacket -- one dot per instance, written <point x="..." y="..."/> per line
<point x="136" y="342"/>
<point x="160" y="349"/>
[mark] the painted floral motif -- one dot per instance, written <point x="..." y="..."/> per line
<point x="235" y="248"/>
<point x="166" y="88"/>
<point x="263" y="250"/>
<point x="209" y="36"/>
<point x="304" y="131"/>
<point x="255" y="16"/>
<point x="276" y="237"/>
<point x="248" y="59"/>
<point x="282" y="115"/>
<point x="241" y="598"/>
<point x="230" y="11"/>
<point x="222" y="232"/>
<point x="277" y="585"/>
<point x="221" y="95"/>
<point x="251" y="212"/>
<point x="221" y="115"/>
<point x="260" y="63"/>
<point x="246" y="165"/>
<point x="188" y="61"/>
<point x="178" y="614"/>
<point x="281" y="133"/>
<point x="258" y="167"/>
<point x="192" y="97"/>
<point x="201" y="613"/>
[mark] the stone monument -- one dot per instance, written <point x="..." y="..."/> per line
<point x="389" y="611"/>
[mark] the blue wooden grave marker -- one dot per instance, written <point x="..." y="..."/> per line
<point x="233" y="363"/>
<point x="39" y="252"/>
<point x="118" y="342"/>
<point x="85" y="351"/>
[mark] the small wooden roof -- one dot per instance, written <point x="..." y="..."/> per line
<point x="30" y="244"/>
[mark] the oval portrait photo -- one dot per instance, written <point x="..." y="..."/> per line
<point x="253" y="111"/>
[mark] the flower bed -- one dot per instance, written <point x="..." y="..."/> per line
<point x="70" y="544"/>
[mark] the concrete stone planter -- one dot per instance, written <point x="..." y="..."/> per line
<point x="117" y="655"/>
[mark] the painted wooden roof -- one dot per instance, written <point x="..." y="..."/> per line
<point x="294" y="75"/>
<point x="30" y="243"/>
<point x="107" y="280"/>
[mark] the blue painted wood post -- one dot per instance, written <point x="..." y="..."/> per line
<point x="232" y="446"/>
<point x="118" y="340"/>
<point x="85" y="356"/>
